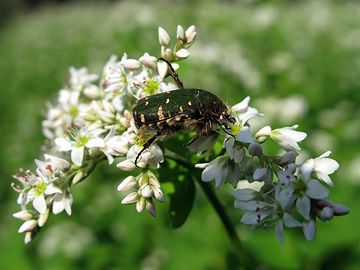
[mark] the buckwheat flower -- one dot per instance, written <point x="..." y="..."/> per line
<point x="62" y="201"/>
<point x="243" y="113"/>
<point x="117" y="145"/>
<point x="222" y="169"/>
<point x="288" y="137"/>
<point x="80" y="78"/>
<point x="288" y="221"/>
<point x="304" y="191"/>
<point x="37" y="193"/>
<point x="321" y="166"/>
<point x="82" y="139"/>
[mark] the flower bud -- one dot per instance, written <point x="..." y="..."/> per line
<point x="28" y="226"/>
<point x="255" y="149"/>
<point x="159" y="195"/>
<point x="147" y="192"/>
<point x="190" y="34"/>
<point x="162" y="68"/>
<point x="182" y="54"/>
<point x="140" y="204"/>
<point x="130" y="198"/>
<point x="126" y="165"/>
<point x="259" y="174"/>
<point x="78" y="177"/>
<point x="23" y="215"/>
<point x="151" y="208"/>
<point x="43" y="218"/>
<point x="28" y="237"/>
<point x="339" y="209"/>
<point x="131" y="64"/>
<point x="326" y="213"/>
<point x="164" y="38"/>
<point x="180" y="33"/>
<point x="289" y="157"/>
<point x="148" y="61"/>
<point x="127" y="184"/>
<point x="263" y="133"/>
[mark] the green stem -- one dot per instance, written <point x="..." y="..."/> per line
<point x="219" y="208"/>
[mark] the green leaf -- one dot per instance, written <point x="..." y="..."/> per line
<point x="182" y="200"/>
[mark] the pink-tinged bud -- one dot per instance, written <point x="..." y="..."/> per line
<point x="190" y="34"/>
<point x="147" y="192"/>
<point x="180" y="33"/>
<point x="23" y="215"/>
<point x="28" y="226"/>
<point x="126" y="165"/>
<point x="164" y="38"/>
<point x="148" y="61"/>
<point x="151" y="208"/>
<point x="182" y="54"/>
<point x="131" y="64"/>
<point x="130" y="198"/>
<point x="127" y="184"/>
<point x="255" y="149"/>
<point x="159" y="195"/>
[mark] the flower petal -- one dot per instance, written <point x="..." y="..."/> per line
<point x="303" y="206"/>
<point x="39" y="204"/>
<point x="77" y="154"/>
<point x="316" y="190"/>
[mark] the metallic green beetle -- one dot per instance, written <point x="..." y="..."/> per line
<point x="163" y="114"/>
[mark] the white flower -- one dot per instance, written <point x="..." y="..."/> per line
<point x="82" y="139"/>
<point x="243" y="113"/>
<point x="80" y="78"/>
<point x="37" y="194"/>
<point x="62" y="201"/>
<point x="288" y="137"/>
<point x="222" y="169"/>
<point x="321" y="166"/>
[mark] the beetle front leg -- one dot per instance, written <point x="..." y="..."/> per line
<point x="173" y="74"/>
<point x="147" y="145"/>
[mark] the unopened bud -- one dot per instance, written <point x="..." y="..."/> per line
<point x="43" y="218"/>
<point x="131" y="64"/>
<point x="190" y="34"/>
<point x="28" y="226"/>
<point x="127" y="184"/>
<point x="147" y="192"/>
<point x="289" y="157"/>
<point x="164" y="38"/>
<point x="140" y="204"/>
<point x="151" y="208"/>
<point x="148" y="61"/>
<point x="182" y="53"/>
<point x="339" y="209"/>
<point x="255" y="149"/>
<point x="259" y="174"/>
<point x="326" y="213"/>
<point x="23" y="215"/>
<point x="130" y="198"/>
<point x="180" y="33"/>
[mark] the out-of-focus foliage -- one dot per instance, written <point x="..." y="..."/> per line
<point x="303" y="57"/>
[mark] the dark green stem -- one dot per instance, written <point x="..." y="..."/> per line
<point x="219" y="208"/>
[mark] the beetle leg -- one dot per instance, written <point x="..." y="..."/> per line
<point x="222" y="126"/>
<point x="173" y="73"/>
<point x="147" y="144"/>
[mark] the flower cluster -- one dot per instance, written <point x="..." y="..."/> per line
<point x="291" y="194"/>
<point x="91" y="121"/>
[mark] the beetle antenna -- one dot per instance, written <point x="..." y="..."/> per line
<point x="173" y="73"/>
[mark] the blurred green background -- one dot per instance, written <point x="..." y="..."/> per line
<point x="298" y="60"/>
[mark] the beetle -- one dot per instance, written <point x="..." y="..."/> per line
<point x="163" y="114"/>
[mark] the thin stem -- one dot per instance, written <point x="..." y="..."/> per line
<point x="219" y="208"/>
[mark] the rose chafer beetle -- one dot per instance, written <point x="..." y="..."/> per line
<point x="163" y="114"/>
